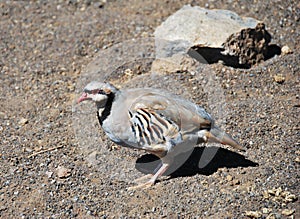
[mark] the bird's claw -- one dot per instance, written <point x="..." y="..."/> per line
<point x="141" y="186"/>
<point x="142" y="178"/>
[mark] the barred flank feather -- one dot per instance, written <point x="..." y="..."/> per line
<point x="151" y="128"/>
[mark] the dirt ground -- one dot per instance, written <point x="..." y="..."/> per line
<point x="45" y="173"/>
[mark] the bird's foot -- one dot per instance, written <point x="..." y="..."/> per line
<point x="154" y="177"/>
<point x="142" y="185"/>
<point x="143" y="178"/>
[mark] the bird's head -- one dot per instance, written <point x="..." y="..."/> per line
<point x="98" y="92"/>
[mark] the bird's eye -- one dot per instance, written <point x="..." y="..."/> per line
<point x="101" y="91"/>
<point x="96" y="91"/>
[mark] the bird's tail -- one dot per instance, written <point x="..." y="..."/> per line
<point x="219" y="136"/>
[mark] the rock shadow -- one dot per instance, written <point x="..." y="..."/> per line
<point x="195" y="163"/>
<point x="208" y="55"/>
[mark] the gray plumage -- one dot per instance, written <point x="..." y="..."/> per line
<point x="153" y="120"/>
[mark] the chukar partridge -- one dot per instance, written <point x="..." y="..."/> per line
<point x="153" y="120"/>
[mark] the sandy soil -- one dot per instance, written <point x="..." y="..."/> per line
<point x="46" y="170"/>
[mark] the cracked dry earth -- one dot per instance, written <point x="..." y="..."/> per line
<point x="44" y="173"/>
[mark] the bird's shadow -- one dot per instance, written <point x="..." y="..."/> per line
<point x="202" y="160"/>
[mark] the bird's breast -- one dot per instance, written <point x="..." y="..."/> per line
<point x="118" y="129"/>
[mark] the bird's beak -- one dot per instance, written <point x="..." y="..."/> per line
<point x="83" y="97"/>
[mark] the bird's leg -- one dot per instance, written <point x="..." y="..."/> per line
<point x="148" y="175"/>
<point x="152" y="180"/>
<point x="159" y="151"/>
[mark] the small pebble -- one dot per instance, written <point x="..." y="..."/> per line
<point x="271" y="216"/>
<point x="286" y="50"/>
<point x="288" y="212"/>
<point x="290" y="198"/>
<point x="3" y="115"/>
<point x="49" y="174"/>
<point x="27" y="149"/>
<point x="265" y="210"/>
<point x="279" y="78"/>
<point x="128" y="72"/>
<point x="253" y="214"/>
<point x="229" y="177"/>
<point x="63" y="172"/>
<point x="23" y="121"/>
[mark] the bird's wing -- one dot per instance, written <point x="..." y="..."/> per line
<point x="157" y="118"/>
<point x="152" y="121"/>
<point x="151" y="127"/>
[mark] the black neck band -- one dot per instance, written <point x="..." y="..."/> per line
<point x="105" y="113"/>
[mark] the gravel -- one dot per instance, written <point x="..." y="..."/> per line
<point x="46" y="45"/>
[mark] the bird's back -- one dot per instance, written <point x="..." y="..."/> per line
<point x="187" y="116"/>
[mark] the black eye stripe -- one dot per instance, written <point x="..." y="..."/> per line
<point x="97" y="91"/>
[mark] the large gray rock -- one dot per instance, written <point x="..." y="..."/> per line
<point x="192" y="26"/>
